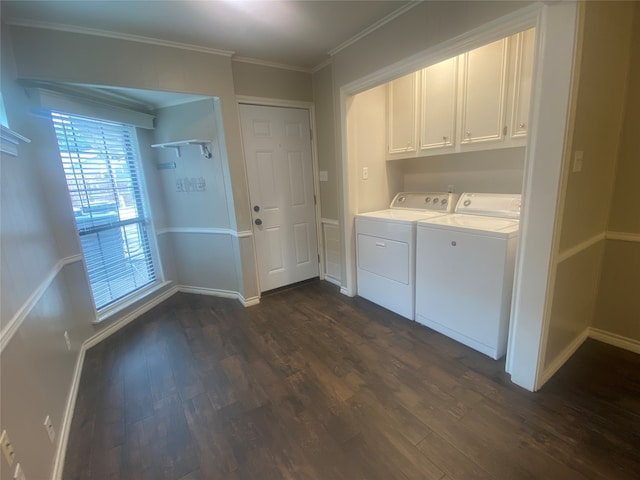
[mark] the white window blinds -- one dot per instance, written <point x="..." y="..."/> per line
<point x="100" y="162"/>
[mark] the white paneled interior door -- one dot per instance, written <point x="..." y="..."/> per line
<point x="277" y="150"/>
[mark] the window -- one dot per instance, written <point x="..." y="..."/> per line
<point x="100" y="161"/>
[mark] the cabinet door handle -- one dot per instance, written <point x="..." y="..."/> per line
<point x="468" y="133"/>
<point x="380" y="244"/>
<point x="522" y="125"/>
<point x="444" y="138"/>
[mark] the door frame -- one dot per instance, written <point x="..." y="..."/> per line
<point x="309" y="107"/>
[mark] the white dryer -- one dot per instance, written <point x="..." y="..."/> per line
<point x="465" y="264"/>
<point x="385" y="247"/>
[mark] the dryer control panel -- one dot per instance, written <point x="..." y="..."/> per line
<point x="432" y="201"/>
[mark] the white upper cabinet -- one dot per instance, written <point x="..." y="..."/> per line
<point x="438" y="105"/>
<point x="476" y="101"/>
<point x="524" y="52"/>
<point x="402" y="117"/>
<point x="484" y="91"/>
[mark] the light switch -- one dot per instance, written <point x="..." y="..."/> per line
<point x="365" y="173"/>
<point x="324" y="176"/>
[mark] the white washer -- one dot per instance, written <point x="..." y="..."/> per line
<point x="385" y="246"/>
<point x="465" y="264"/>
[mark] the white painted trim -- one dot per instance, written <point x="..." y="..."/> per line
<point x="9" y="141"/>
<point x="118" y="36"/>
<point x="205" y="231"/>
<point x="137" y="296"/>
<point x="67" y="416"/>
<point x="273" y="102"/>
<point x="264" y="63"/>
<point x="13" y="325"/>
<point x="321" y="65"/>
<point x="576" y="249"/>
<point x="329" y="221"/>
<point x="375" y="26"/>
<point x="614" y="339"/>
<point x="216" y="292"/>
<point x="623" y="236"/>
<point x="344" y="291"/>
<point x="249" y="302"/>
<point x="131" y="316"/>
<point x="562" y="357"/>
<point x="334" y="280"/>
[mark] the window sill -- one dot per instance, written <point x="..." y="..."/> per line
<point x="9" y="141"/>
<point x="111" y="311"/>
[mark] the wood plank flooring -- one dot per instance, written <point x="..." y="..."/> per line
<point x="313" y="385"/>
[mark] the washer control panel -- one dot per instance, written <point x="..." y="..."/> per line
<point x="490" y="204"/>
<point x="432" y="201"/>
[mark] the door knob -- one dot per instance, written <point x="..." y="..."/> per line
<point x="256" y="208"/>
<point x="258" y="222"/>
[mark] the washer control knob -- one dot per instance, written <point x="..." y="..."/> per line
<point x="467" y="203"/>
<point x="427" y="200"/>
<point x="402" y="199"/>
<point x="444" y="201"/>
<point x="453" y="243"/>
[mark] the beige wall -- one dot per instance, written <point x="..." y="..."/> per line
<point x="618" y="303"/>
<point x="325" y="139"/>
<point x="625" y="207"/>
<point x="599" y="111"/>
<point x="269" y="82"/>
<point x="366" y="136"/>
<point x="497" y="171"/>
<point x="598" y="119"/>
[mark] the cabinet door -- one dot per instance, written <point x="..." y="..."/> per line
<point x="525" y="47"/>
<point x="438" y="106"/>
<point x="484" y="92"/>
<point x="402" y="116"/>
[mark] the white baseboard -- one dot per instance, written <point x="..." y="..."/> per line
<point x="561" y="358"/>
<point x="616" y="340"/>
<point x="67" y="417"/>
<point x="345" y="291"/>
<point x="333" y="280"/>
<point x="215" y="292"/>
<point x="249" y="302"/>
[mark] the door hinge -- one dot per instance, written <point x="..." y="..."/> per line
<point x="504" y="131"/>
<point x="318" y="258"/>
<point x="310" y="134"/>
<point x="314" y="200"/>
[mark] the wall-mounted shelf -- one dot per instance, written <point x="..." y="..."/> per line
<point x="9" y="141"/>
<point x="203" y="144"/>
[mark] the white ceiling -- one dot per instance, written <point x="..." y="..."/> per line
<point x="298" y="33"/>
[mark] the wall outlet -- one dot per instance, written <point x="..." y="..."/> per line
<point x="67" y="341"/>
<point x="324" y="176"/>
<point x="7" y="448"/>
<point x="19" y="473"/>
<point x="48" y="426"/>
<point x="365" y="173"/>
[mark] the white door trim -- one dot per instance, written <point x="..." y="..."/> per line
<point x="530" y="310"/>
<point x="309" y="106"/>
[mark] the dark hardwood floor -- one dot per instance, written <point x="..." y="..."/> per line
<point x="311" y="384"/>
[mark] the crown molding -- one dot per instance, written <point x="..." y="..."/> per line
<point x="118" y="36"/>
<point x="321" y="65"/>
<point x="373" y="27"/>
<point x="265" y="63"/>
